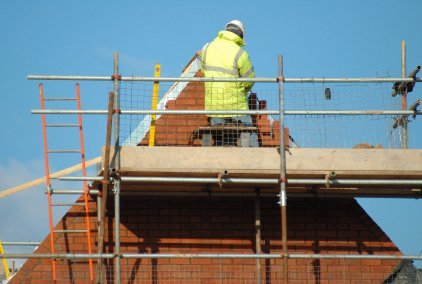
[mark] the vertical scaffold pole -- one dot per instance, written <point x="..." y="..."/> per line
<point x="117" y="229"/>
<point x="283" y="197"/>
<point x="258" y="234"/>
<point x="404" y="96"/>
<point x="116" y="124"/>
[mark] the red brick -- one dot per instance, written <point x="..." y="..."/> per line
<point x="186" y="101"/>
<point x="389" y="262"/>
<point x="186" y="130"/>
<point x="359" y="268"/>
<point x="328" y="234"/>
<point x="264" y="125"/>
<point x="348" y="234"/>
<point x="370" y="262"/>
<point x="381" y="268"/>
<point x="167" y="226"/>
<point x="201" y="261"/>
<point x="180" y="261"/>
<point x="361" y="281"/>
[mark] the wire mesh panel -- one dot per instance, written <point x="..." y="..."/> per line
<point x="189" y="129"/>
<point x="238" y="270"/>
<point x="270" y="271"/>
<point x="334" y="131"/>
<point x="343" y="131"/>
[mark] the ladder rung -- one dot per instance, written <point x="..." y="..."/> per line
<point x="62" y="125"/>
<point x="70" y="231"/>
<point x="73" y="191"/>
<point x="60" y="99"/>
<point x="67" y="191"/>
<point x="64" y="151"/>
<point x="68" y="204"/>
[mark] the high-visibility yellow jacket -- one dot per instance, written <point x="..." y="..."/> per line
<point x="225" y="57"/>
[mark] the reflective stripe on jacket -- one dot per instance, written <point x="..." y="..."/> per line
<point x="225" y="57"/>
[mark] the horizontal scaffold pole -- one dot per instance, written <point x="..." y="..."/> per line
<point x="350" y="192"/>
<point x="57" y="256"/>
<point x="254" y="180"/>
<point x="28" y="243"/>
<point x="272" y="256"/>
<point x="222" y="79"/>
<point x="239" y="112"/>
<point x="75" y="191"/>
<point x="211" y="256"/>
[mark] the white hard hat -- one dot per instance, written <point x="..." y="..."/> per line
<point x="237" y="23"/>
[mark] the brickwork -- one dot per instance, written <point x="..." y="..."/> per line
<point x="226" y="225"/>
<point x="180" y="129"/>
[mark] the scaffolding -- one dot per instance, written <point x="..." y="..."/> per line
<point x="111" y="178"/>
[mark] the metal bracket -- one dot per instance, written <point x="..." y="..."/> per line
<point x="402" y="120"/>
<point x="280" y="79"/>
<point x="220" y="178"/>
<point x="282" y="199"/>
<point x="405" y="87"/>
<point x="328" y="177"/>
<point x="116" y="77"/>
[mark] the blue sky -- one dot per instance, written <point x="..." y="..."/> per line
<point x="317" y="38"/>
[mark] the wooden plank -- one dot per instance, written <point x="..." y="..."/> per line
<point x="65" y="172"/>
<point x="264" y="162"/>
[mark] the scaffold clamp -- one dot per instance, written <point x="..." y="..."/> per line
<point x="116" y="77"/>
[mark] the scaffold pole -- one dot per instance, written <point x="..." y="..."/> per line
<point x="283" y="197"/>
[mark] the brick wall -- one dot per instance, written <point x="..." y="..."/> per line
<point x="180" y="129"/>
<point x="226" y="225"/>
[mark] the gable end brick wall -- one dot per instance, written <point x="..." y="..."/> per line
<point x="226" y="225"/>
